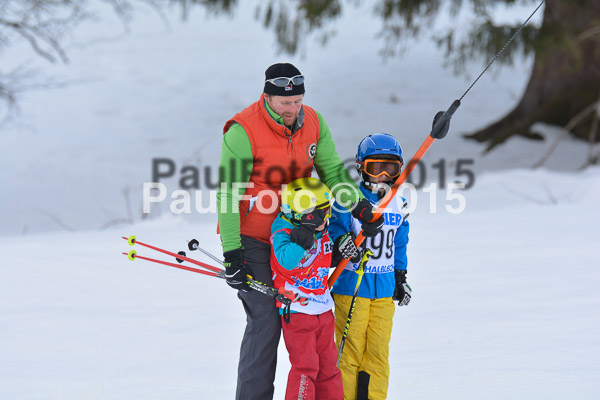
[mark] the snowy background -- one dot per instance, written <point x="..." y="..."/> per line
<point x="505" y="293"/>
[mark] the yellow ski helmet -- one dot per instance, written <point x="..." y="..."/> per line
<point x="304" y="195"/>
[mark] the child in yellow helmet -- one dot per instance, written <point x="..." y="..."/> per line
<point x="301" y="255"/>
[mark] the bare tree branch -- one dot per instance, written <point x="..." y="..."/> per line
<point x="576" y="120"/>
<point x="57" y="220"/>
<point x="43" y="25"/>
<point x="24" y="31"/>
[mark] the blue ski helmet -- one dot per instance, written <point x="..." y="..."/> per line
<point x="377" y="144"/>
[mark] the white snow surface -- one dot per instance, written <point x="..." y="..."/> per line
<point x="505" y="299"/>
<point x="505" y="305"/>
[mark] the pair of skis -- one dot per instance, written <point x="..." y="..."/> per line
<point x="286" y="297"/>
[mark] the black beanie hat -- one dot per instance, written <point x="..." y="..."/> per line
<point x="282" y="70"/>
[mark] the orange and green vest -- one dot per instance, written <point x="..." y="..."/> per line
<point x="279" y="157"/>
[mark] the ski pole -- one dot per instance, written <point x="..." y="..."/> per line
<point x="133" y="255"/>
<point x="366" y="254"/>
<point x="441" y="125"/>
<point x="195" y="245"/>
<point x="284" y="296"/>
<point x="132" y="240"/>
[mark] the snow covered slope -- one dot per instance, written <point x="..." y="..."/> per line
<point x="505" y="293"/>
<point x="504" y="305"/>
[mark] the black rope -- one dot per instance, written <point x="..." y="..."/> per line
<point x="502" y="49"/>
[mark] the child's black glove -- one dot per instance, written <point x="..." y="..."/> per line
<point x="345" y="246"/>
<point x="363" y="211"/>
<point x="304" y="235"/>
<point x="403" y="292"/>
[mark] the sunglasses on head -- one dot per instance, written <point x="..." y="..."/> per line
<point x="376" y="168"/>
<point x="284" y="81"/>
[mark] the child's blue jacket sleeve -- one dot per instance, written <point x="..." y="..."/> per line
<point x="340" y="222"/>
<point x="288" y="253"/>
<point x="400" y="241"/>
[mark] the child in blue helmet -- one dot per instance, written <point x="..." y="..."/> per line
<point x="364" y="363"/>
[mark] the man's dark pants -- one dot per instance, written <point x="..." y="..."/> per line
<point x="258" y="354"/>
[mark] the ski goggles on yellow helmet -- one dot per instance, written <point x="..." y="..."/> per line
<point x="304" y="195"/>
<point x="378" y="167"/>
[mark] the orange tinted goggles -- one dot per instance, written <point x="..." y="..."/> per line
<point x="377" y="168"/>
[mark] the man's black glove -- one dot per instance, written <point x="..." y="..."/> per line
<point x="236" y="269"/>
<point x="363" y="211"/>
<point x="403" y="292"/>
<point x="304" y="235"/>
<point x="345" y="246"/>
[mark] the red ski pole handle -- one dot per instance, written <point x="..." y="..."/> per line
<point x="132" y="256"/>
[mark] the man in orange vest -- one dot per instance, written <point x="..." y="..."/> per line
<point x="267" y="145"/>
